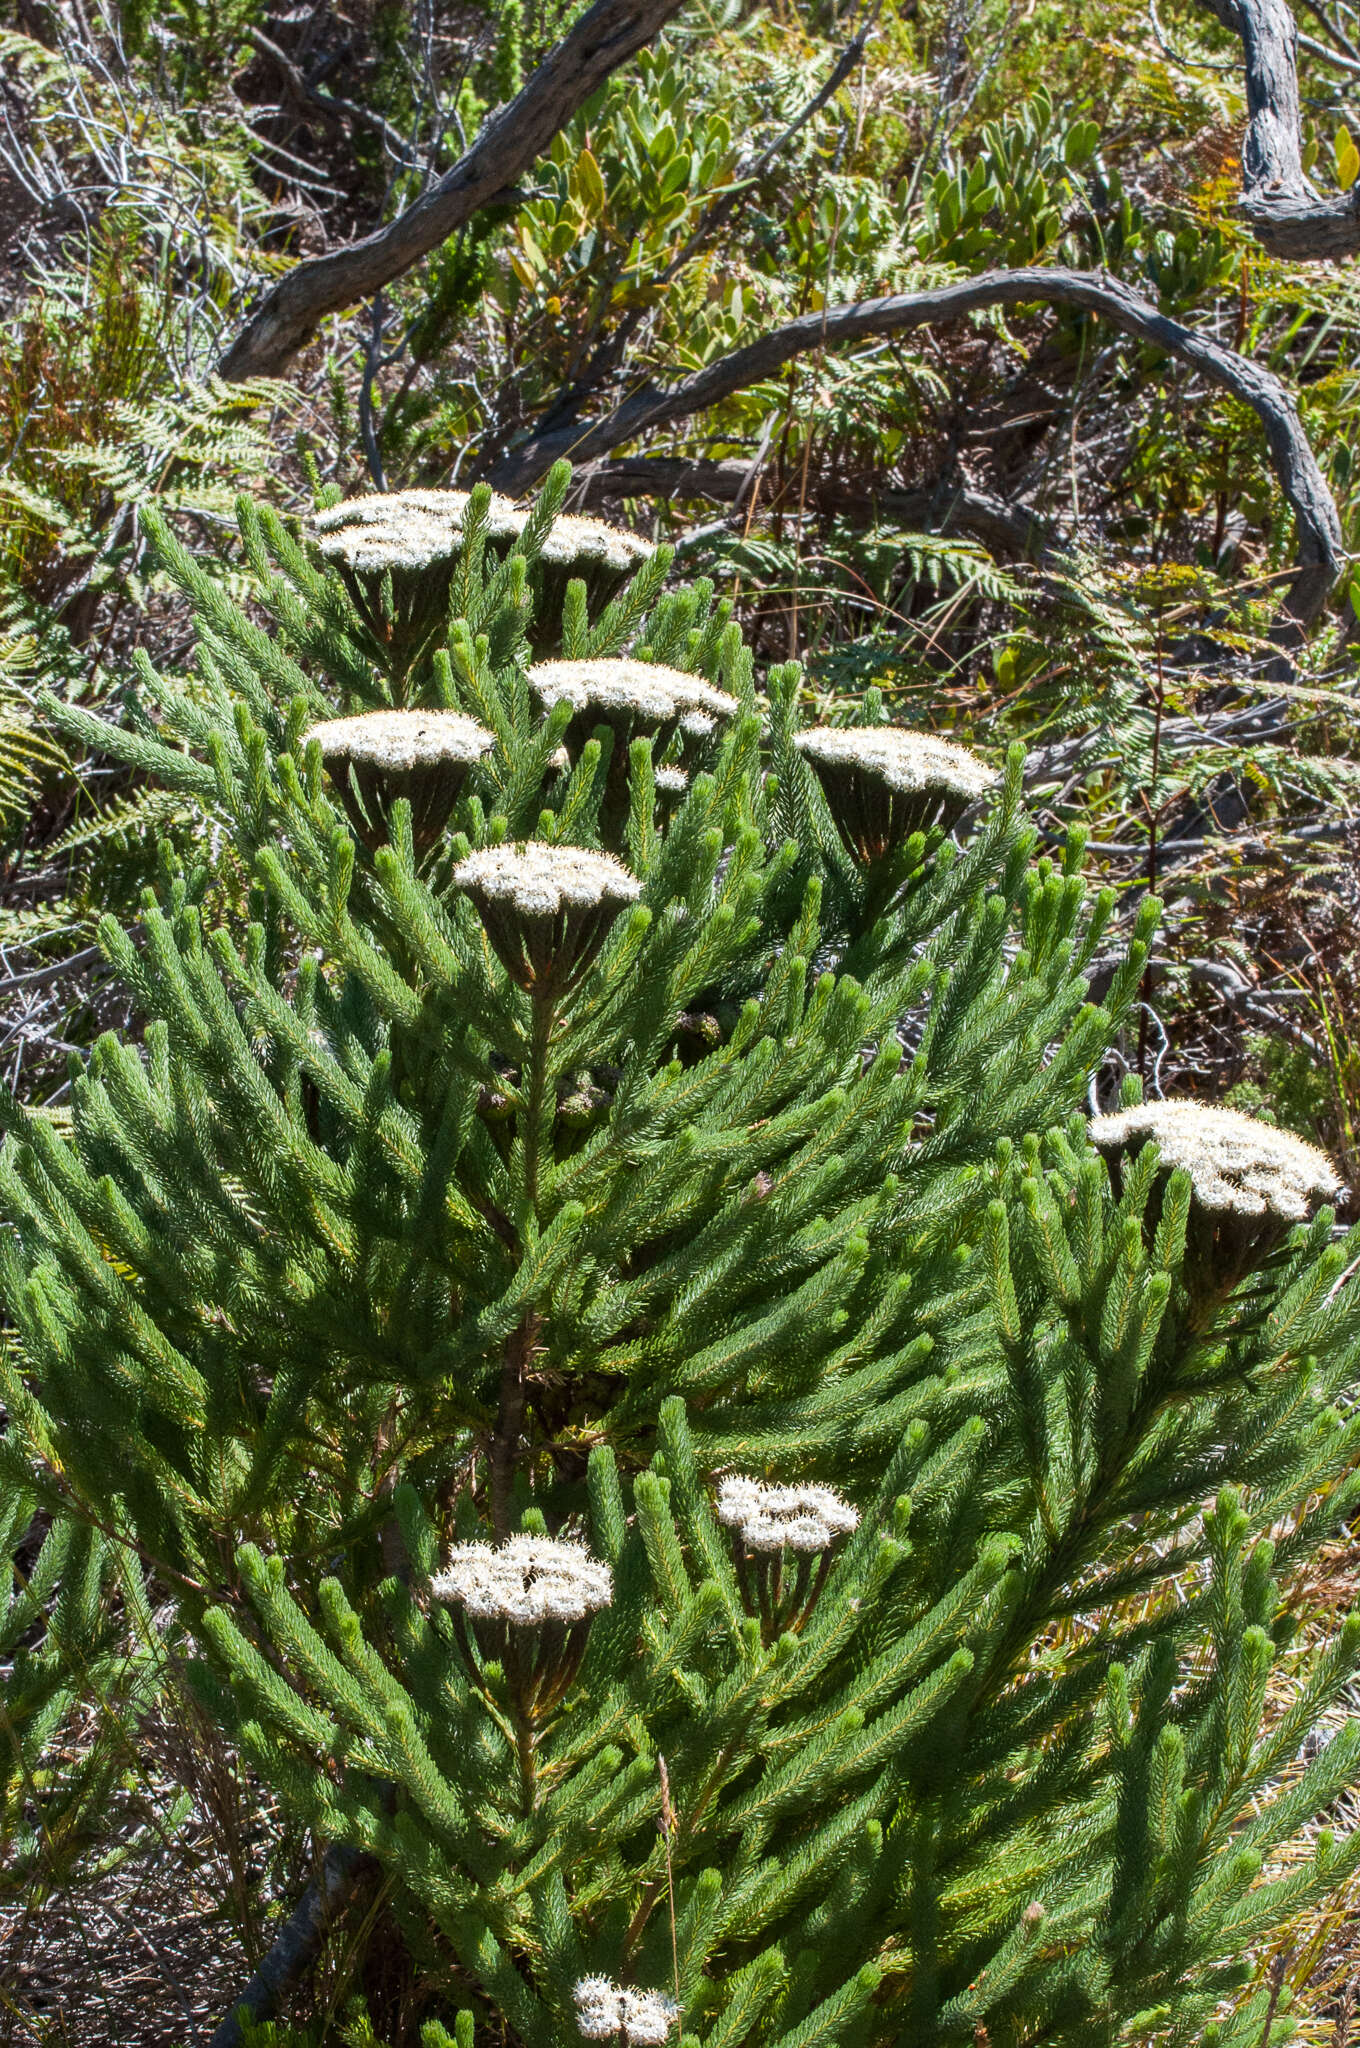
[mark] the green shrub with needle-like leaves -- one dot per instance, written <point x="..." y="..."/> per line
<point x="603" y="1317"/>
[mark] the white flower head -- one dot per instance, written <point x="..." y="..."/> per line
<point x="402" y="740"/>
<point x="528" y="1580"/>
<point x="647" y="2016"/>
<point x="907" y="762"/>
<point x="404" y="529"/>
<point x="783" y="1517"/>
<point x="647" y="689"/>
<point x="389" y="508"/>
<point x="541" y="880"/>
<point x="414" y="529"/>
<point x="604" y="2008"/>
<point x="672" y="780"/>
<point x="1237" y="1165"/>
<point x="574" y="538"/>
<point x="597" y="2008"/>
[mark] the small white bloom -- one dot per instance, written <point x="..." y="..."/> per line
<point x="603" y="2008"/>
<point x="645" y="688"/>
<point x="597" y="2008"/>
<point x="739" y="1499"/>
<point x="779" y="1517"/>
<point x="908" y="762"/>
<point x="402" y="740"/>
<point x="541" y="880"/>
<point x="1236" y="1163"/>
<point x="528" y="1579"/>
<point x="647" y="2016"/>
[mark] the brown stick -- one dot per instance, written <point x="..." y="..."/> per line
<point x="511" y="140"/>
<point x="1321" y="548"/>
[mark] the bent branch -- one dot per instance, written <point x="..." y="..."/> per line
<point x="513" y="138"/>
<point x="1320" y="549"/>
<point x="1285" y="212"/>
<point x="947" y="506"/>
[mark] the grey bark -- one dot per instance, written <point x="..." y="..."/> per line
<point x="1284" y="210"/>
<point x="1320" y="551"/>
<point x="511" y="139"/>
<point x="1006" y="530"/>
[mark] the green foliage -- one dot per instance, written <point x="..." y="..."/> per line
<point x="71" y="1598"/>
<point x="795" y="1183"/>
<point x="1033" y="189"/>
<point x="96" y="424"/>
<point x="366" y="1247"/>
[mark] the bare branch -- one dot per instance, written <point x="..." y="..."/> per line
<point x="513" y="138"/>
<point x="947" y="506"/>
<point x="1332" y="28"/>
<point x="1257" y="1007"/>
<point x="1283" y="208"/>
<point x="1320" y="551"/>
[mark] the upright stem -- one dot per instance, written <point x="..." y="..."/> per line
<point x="505" y="1441"/>
<point x="540" y="1037"/>
<point x="519" y="1663"/>
<point x="528" y="1762"/>
<point x="1156" y="762"/>
<point x="522" y="1341"/>
<point x="684" y="1829"/>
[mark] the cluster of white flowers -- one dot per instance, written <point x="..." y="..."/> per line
<point x="604" y="2008"/>
<point x="574" y="538"/>
<point x="645" y="688"/>
<point x="541" y="880"/>
<point x="402" y="740"/>
<point x="672" y="779"/>
<point x="1235" y="1162"/>
<point x="405" y="529"/>
<point x="412" y="529"/>
<point x="780" y="1517"/>
<point x="908" y="762"/>
<point x="528" y="1579"/>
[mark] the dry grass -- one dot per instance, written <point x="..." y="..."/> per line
<point x="142" y="1941"/>
<point x="140" y="1957"/>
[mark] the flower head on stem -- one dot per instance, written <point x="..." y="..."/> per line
<point x="766" y="1523"/>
